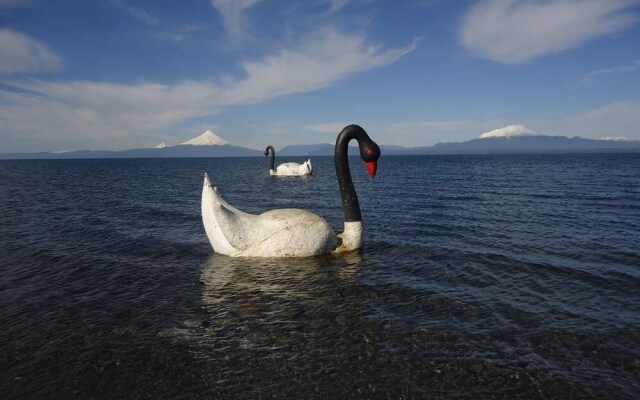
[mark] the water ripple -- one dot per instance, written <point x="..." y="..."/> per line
<point x="481" y="277"/>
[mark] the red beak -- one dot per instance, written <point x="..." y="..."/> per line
<point x="372" y="166"/>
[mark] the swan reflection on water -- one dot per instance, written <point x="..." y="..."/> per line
<point x="283" y="277"/>
<point x="262" y="304"/>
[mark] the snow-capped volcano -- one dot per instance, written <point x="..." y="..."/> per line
<point x="508" y="131"/>
<point x="208" y="138"/>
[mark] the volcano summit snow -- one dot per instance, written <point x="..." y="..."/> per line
<point x="508" y="131"/>
<point x="208" y="138"/>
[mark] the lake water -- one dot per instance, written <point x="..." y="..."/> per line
<point x="482" y="277"/>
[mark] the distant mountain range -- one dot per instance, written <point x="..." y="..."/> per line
<point x="211" y="145"/>
<point x="491" y="145"/>
<point x="531" y="144"/>
<point x="206" y="145"/>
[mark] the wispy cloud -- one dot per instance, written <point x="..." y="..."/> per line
<point x="233" y="18"/>
<point x="439" y="128"/>
<point x="632" y="67"/>
<point x="99" y="115"/>
<point x="273" y="129"/>
<point x="617" y="119"/>
<point x="620" y="119"/>
<point x="180" y="34"/>
<point x="157" y="29"/>
<point x="336" y="5"/>
<point x="318" y="61"/>
<point x="108" y="115"/>
<point x="430" y="132"/>
<point x="516" y="31"/>
<point x="137" y="13"/>
<point x="327" y="128"/>
<point x="21" y="53"/>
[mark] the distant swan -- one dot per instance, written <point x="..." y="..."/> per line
<point x="291" y="232"/>
<point x="287" y="169"/>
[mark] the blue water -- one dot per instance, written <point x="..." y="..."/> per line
<point x="482" y="277"/>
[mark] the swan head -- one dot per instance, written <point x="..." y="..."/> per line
<point x="370" y="152"/>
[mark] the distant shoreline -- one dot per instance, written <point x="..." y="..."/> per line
<point x="18" y="157"/>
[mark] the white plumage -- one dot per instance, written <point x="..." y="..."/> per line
<point x="290" y="232"/>
<point x="292" y="169"/>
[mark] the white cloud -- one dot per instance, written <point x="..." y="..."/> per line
<point x="109" y="115"/>
<point x="180" y="34"/>
<point x="20" y="53"/>
<point x="439" y="127"/>
<point x="99" y="115"/>
<point x="516" y="31"/>
<point x="332" y="128"/>
<point x="273" y="128"/>
<point x="232" y="12"/>
<point x="508" y="131"/>
<point x="337" y="5"/>
<point x="319" y="61"/>
<point x="617" y="120"/>
<point x="621" y="119"/>
<point x="422" y="133"/>
<point x="632" y="67"/>
<point x="137" y="13"/>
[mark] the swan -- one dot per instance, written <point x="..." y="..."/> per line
<point x="287" y="169"/>
<point x="291" y="232"/>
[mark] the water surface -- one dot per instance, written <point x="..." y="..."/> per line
<point x="511" y="276"/>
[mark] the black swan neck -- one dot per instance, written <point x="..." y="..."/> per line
<point x="272" y="161"/>
<point x="350" y="203"/>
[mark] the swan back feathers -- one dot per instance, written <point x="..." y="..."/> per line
<point x="278" y="233"/>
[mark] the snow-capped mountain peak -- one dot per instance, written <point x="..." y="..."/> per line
<point x="208" y="138"/>
<point x="161" y="145"/>
<point x="508" y="131"/>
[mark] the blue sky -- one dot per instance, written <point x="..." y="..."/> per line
<point x="117" y="74"/>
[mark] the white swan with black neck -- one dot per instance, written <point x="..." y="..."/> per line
<point x="287" y="169"/>
<point x="291" y="232"/>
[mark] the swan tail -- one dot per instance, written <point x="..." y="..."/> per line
<point x="220" y="220"/>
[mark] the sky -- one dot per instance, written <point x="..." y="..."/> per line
<point x="120" y="74"/>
